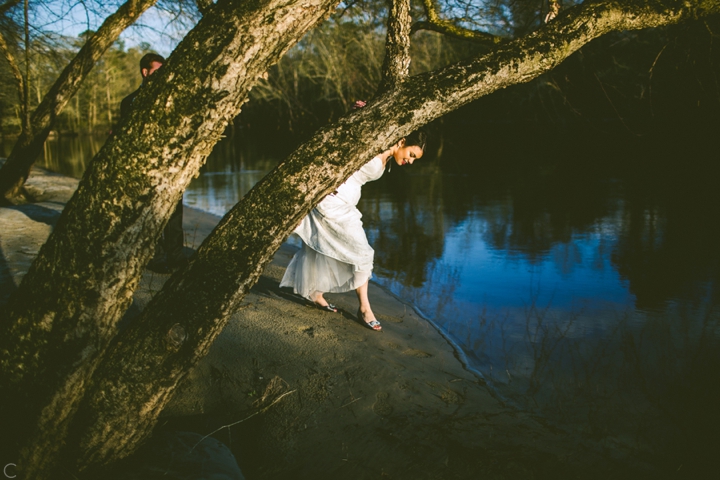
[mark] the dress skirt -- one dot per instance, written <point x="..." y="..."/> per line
<point x="335" y="256"/>
<point x="310" y="272"/>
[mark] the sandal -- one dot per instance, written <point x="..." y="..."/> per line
<point x="326" y="308"/>
<point x="373" y="324"/>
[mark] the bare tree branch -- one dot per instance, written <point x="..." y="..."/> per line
<point x="436" y="24"/>
<point x="17" y="75"/>
<point x="397" y="46"/>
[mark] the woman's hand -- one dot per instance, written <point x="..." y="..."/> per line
<point x="359" y="104"/>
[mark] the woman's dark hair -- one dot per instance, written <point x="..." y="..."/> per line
<point x="418" y="138"/>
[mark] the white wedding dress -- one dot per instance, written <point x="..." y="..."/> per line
<point x="335" y="256"/>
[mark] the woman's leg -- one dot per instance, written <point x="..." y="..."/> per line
<point x="318" y="298"/>
<point x="365" y="310"/>
<point x="320" y="302"/>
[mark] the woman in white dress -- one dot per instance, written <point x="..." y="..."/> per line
<point x="335" y="255"/>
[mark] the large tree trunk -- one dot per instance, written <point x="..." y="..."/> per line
<point x="29" y="145"/>
<point x="149" y="359"/>
<point x="61" y="318"/>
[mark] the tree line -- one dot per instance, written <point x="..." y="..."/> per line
<point x="627" y="77"/>
<point x="95" y="108"/>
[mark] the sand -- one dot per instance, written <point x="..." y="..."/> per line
<point x="313" y="394"/>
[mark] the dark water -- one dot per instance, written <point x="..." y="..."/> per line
<point x="586" y="294"/>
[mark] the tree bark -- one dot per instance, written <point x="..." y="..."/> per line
<point x="29" y="145"/>
<point x="12" y="63"/>
<point x="396" y="64"/>
<point x="203" y="6"/>
<point x="59" y="321"/>
<point x="148" y="359"/>
<point x="26" y="85"/>
<point x="436" y="24"/>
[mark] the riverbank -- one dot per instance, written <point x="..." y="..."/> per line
<point x="313" y="394"/>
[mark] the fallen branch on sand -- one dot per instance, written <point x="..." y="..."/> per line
<point x="262" y="410"/>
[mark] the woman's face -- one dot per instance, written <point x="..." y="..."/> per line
<point x="407" y="155"/>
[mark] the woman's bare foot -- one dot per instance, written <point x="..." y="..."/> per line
<point x="368" y="317"/>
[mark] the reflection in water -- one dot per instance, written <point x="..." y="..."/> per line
<point x="579" y="298"/>
<point x="81" y="149"/>
<point x="229" y="173"/>
<point x="591" y="299"/>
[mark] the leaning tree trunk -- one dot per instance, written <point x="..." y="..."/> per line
<point x="29" y="145"/>
<point x="148" y="360"/>
<point x="63" y="315"/>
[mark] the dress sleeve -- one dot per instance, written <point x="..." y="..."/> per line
<point x="371" y="170"/>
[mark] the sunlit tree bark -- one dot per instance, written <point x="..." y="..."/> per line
<point x="38" y="125"/>
<point x="203" y="6"/>
<point x="54" y="350"/>
<point x="396" y="64"/>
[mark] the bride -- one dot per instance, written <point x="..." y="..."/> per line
<point x="335" y="255"/>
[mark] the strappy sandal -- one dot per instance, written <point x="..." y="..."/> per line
<point x="326" y="308"/>
<point x="373" y="324"/>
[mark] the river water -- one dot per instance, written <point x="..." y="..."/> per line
<point x="588" y="296"/>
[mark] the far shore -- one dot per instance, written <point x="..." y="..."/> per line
<point x="317" y="395"/>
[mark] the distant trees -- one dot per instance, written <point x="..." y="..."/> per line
<point x="96" y="106"/>
<point x="339" y="62"/>
<point x="36" y="125"/>
<point x="49" y="52"/>
<point x="632" y="79"/>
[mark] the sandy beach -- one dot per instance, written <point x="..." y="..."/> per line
<point x="313" y="394"/>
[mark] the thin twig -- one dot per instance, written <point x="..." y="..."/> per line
<point x="243" y="420"/>
<point x="351" y="402"/>
<point x="652" y="70"/>
<point x="622" y="120"/>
